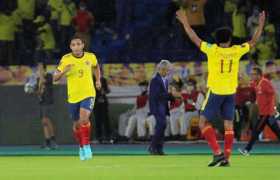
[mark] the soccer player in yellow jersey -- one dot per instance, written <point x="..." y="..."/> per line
<point x="78" y="68"/>
<point x="223" y="65"/>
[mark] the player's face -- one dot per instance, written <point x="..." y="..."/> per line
<point x="77" y="47"/>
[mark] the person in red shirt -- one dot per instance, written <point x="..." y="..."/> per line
<point x="83" y="21"/>
<point x="190" y="96"/>
<point x="176" y="108"/>
<point x="265" y="98"/>
<point x="245" y="96"/>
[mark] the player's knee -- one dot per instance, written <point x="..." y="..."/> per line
<point x="202" y="122"/>
<point x="228" y="125"/>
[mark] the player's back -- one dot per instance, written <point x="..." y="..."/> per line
<point x="223" y="66"/>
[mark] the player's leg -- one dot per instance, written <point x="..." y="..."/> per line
<point x="257" y="129"/>
<point x="272" y="123"/>
<point x="75" y="116"/>
<point x="86" y="107"/>
<point x="209" y="112"/>
<point x="227" y="112"/>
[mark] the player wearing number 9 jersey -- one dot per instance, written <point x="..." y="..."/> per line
<point x="78" y="67"/>
<point x="223" y="66"/>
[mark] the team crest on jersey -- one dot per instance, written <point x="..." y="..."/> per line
<point x="88" y="63"/>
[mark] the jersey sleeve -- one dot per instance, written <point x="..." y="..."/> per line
<point x="94" y="60"/>
<point x="206" y="47"/>
<point x="243" y="49"/>
<point x="62" y="64"/>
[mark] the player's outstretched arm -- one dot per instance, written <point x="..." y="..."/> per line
<point x="259" y="30"/>
<point x="182" y="17"/>
<point x="97" y="76"/>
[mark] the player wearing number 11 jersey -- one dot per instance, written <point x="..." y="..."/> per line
<point x="223" y="67"/>
<point x="78" y="67"/>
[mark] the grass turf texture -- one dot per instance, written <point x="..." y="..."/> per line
<point x="172" y="167"/>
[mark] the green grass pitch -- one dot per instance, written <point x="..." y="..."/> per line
<point x="185" y="167"/>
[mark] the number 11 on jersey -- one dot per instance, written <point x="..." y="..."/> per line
<point x="223" y="68"/>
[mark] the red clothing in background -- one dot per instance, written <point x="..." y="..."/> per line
<point x="175" y="104"/>
<point x="265" y="95"/>
<point x="192" y="96"/>
<point x="83" y="20"/>
<point x="244" y="94"/>
<point x="141" y="101"/>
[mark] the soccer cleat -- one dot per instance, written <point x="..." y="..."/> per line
<point x="225" y="163"/>
<point x="217" y="159"/>
<point x="88" y="152"/>
<point x="82" y="154"/>
<point x="244" y="152"/>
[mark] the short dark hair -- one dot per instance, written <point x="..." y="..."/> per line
<point x="223" y="35"/>
<point x="258" y="70"/>
<point x="76" y="36"/>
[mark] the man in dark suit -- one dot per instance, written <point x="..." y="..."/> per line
<point x="158" y="101"/>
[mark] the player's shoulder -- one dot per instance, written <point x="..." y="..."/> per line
<point x="244" y="45"/>
<point x="90" y="54"/>
<point x="66" y="56"/>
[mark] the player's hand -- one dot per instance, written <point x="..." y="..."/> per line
<point x="262" y="18"/>
<point x="182" y="17"/>
<point x="98" y="85"/>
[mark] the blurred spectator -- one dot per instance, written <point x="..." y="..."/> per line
<point x="140" y="119"/>
<point x="245" y="96"/>
<point x="26" y="37"/>
<point x="190" y="96"/>
<point x="27" y="9"/>
<point x="266" y="49"/>
<point x="56" y="8"/>
<point x="229" y="7"/>
<point x="68" y="11"/>
<point x="195" y="11"/>
<point x="253" y="21"/>
<point x="239" y="24"/>
<point x="83" y="22"/>
<point x="276" y="84"/>
<point x="177" y="111"/>
<point x="8" y="28"/>
<point x="101" y="112"/>
<point x="45" y="40"/>
<point x="46" y="101"/>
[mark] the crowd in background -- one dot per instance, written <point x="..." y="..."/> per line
<point x="34" y="31"/>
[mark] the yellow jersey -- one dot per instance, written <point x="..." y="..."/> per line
<point x="223" y="66"/>
<point x="80" y="78"/>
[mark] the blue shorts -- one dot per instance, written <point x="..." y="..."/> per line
<point x="74" y="108"/>
<point x="215" y="106"/>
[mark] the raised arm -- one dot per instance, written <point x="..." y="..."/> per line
<point x="182" y="17"/>
<point x="259" y="30"/>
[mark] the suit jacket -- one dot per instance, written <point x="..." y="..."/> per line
<point x="158" y="97"/>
